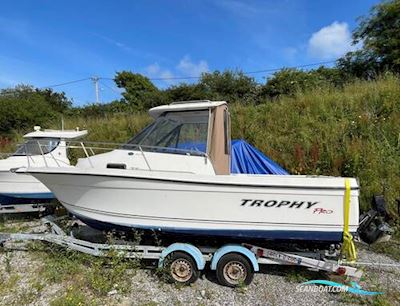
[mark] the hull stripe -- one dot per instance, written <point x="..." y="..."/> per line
<point x="25" y="198"/>
<point x="257" y="234"/>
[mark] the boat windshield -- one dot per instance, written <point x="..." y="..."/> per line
<point x="174" y="132"/>
<point x="31" y="146"/>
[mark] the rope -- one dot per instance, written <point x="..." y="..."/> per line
<point x="372" y="264"/>
<point x="348" y="247"/>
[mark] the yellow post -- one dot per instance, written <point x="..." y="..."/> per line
<point x="348" y="247"/>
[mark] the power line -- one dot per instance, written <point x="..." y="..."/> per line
<point x="109" y="87"/>
<point x="65" y="83"/>
<point x="293" y="67"/>
<point x="194" y="77"/>
<point x="246" y="72"/>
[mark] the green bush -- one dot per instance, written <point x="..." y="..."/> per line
<point x="23" y="107"/>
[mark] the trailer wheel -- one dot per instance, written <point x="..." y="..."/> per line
<point x="181" y="268"/>
<point x="234" y="270"/>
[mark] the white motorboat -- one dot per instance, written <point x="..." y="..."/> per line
<point x="174" y="176"/>
<point x="41" y="148"/>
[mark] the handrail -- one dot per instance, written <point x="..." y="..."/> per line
<point x="41" y="151"/>
<point x="132" y="145"/>
<point x="145" y="159"/>
<point x="87" y="155"/>
<point x="86" y="148"/>
<point x="123" y="145"/>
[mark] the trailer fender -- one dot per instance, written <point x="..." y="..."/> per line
<point x="235" y="249"/>
<point x="183" y="247"/>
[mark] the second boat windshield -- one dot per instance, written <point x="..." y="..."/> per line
<point x="37" y="146"/>
<point x="174" y="132"/>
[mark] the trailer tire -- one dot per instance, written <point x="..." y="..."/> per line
<point x="234" y="270"/>
<point x="181" y="268"/>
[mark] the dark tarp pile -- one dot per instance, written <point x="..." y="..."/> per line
<point x="247" y="159"/>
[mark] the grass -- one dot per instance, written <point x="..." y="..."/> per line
<point x="298" y="275"/>
<point x="389" y="298"/>
<point x="74" y="296"/>
<point x="8" y="284"/>
<point x="14" y="224"/>
<point x="62" y="265"/>
<point x="98" y="275"/>
<point x="113" y="273"/>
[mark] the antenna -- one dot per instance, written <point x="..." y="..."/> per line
<point x="95" y="80"/>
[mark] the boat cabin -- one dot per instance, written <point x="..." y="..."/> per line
<point x="196" y="129"/>
<point x="45" y="146"/>
<point x="190" y="127"/>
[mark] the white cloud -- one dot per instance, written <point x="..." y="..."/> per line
<point x="331" y="41"/>
<point x="191" y="69"/>
<point x="155" y="71"/>
<point x="184" y="68"/>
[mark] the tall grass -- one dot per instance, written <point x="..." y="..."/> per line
<point x="352" y="131"/>
<point x="110" y="128"/>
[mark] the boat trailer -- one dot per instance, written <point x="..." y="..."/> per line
<point x="234" y="264"/>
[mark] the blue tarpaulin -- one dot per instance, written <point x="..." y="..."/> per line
<point x="244" y="158"/>
<point x="247" y="159"/>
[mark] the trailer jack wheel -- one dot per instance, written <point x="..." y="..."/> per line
<point x="181" y="268"/>
<point x="234" y="270"/>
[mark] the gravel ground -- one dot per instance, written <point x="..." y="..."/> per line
<point x="274" y="285"/>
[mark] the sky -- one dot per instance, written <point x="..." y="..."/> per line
<point x="45" y="43"/>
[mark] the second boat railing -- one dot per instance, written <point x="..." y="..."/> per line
<point x="91" y="149"/>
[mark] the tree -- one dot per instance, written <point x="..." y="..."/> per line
<point x="186" y="92"/>
<point x="289" y="80"/>
<point x="57" y="100"/>
<point x="229" y="85"/>
<point x="360" y="64"/>
<point x="100" y="110"/>
<point x="379" y="33"/>
<point x="23" y="107"/>
<point x="333" y="76"/>
<point x="140" y="92"/>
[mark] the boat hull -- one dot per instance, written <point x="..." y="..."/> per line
<point x="22" y="189"/>
<point x="226" y="206"/>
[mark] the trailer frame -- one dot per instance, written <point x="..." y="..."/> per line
<point x="22" y="208"/>
<point x="201" y="255"/>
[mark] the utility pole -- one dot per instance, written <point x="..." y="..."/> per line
<point x="95" y="80"/>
